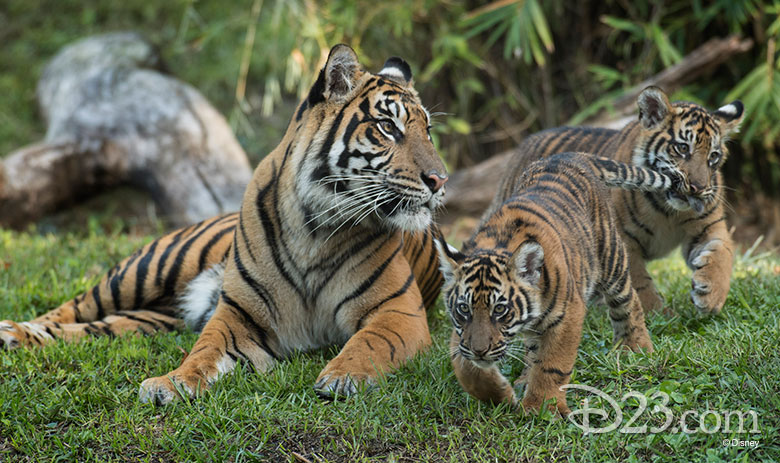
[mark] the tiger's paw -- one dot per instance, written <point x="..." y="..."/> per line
<point x="25" y="334"/>
<point x="532" y="405"/>
<point x="705" y="295"/>
<point x="711" y="277"/>
<point x="163" y="390"/>
<point x="339" y="379"/>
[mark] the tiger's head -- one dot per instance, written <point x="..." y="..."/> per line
<point x="686" y="142"/>
<point x="368" y="155"/>
<point x="491" y="296"/>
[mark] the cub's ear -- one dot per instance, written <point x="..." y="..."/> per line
<point x="338" y="79"/>
<point x="654" y="107"/>
<point x="398" y="70"/>
<point x="449" y="259"/>
<point x="729" y="117"/>
<point x="527" y="262"/>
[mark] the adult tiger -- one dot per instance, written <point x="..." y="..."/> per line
<point x="684" y="141"/>
<point x="333" y="244"/>
<point x="531" y="267"/>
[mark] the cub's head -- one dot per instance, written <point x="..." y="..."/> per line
<point x="367" y="150"/>
<point x="686" y="142"/>
<point x="491" y="295"/>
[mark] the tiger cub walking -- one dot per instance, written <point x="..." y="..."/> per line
<point x="530" y="269"/>
<point x="684" y="141"/>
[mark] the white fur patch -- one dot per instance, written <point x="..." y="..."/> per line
<point x="729" y="109"/>
<point x="200" y="298"/>
<point x="393" y="72"/>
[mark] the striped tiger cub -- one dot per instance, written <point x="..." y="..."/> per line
<point x="531" y="267"/>
<point x="684" y="141"/>
<point x="333" y="245"/>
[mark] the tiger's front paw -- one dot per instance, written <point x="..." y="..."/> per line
<point x="707" y="295"/>
<point x="338" y="378"/>
<point x="25" y="334"/>
<point x="165" y="389"/>
<point x="532" y="404"/>
<point x="711" y="276"/>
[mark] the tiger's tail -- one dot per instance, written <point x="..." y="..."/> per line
<point x="630" y="177"/>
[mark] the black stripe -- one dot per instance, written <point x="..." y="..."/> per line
<point x="396" y="294"/>
<point x="368" y="282"/>
<point x="255" y="328"/>
<point x="140" y="275"/>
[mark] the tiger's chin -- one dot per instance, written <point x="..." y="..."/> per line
<point x="682" y="203"/>
<point x="414" y="219"/>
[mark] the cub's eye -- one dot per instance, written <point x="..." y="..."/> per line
<point x="500" y="310"/>
<point x="682" y="148"/>
<point x="462" y="308"/>
<point x="713" y="158"/>
<point x="387" y="126"/>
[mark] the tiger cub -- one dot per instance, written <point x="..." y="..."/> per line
<point x="333" y="245"/>
<point x="684" y="141"/>
<point x="531" y="267"/>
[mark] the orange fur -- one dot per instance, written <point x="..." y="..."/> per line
<point x="683" y="140"/>
<point x="333" y="244"/>
<point x="530" y="268"/>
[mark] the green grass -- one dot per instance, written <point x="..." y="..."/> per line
<point x="79" y="402"/>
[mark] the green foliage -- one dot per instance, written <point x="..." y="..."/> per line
<point x="78" y="402"/>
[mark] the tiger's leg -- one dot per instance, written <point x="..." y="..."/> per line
<point x="157" y="272"/>
<point x="709" y="253"/>
<point x="39" y="334"/>
<point x="383" y="339"/>
<point x="628" y="319"/>
<point x="232" y="334"/>
<point x="625" y="308"/>
<point x="485" y="384"/>
<point x="642" y="282"/>
<point x="553" y="363"/>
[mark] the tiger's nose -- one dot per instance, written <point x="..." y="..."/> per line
<point x="694" y="188"/>
<point x="434" y="180"/>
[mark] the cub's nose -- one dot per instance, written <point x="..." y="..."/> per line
<point x="434" y="180"/>
<point x="694" y="188"/>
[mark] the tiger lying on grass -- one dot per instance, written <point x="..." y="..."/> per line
<point x="333" y="244"/>
<point x="683" y="141"/>
<point x="531" y="267"/>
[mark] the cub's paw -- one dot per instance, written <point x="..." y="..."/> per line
<point x="13" y="335"/>
<point x="532" y="405"/>
<point x="706" y="295"/>
<point x="165" y="389"/>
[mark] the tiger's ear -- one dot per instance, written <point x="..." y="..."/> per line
<point x="449" y="259"/>
<point x="527" y="262"/>
<point x="654" y="107"/>
<point x="729" y="117"/>
<point x="398" y="70"/>
<point x="338" y="79"/>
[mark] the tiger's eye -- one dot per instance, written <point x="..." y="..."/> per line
<point x="682" y="148"/>
<point x="387" y="126"/>
<point x="500" y="309"/>
<point x="713" y="158"/>
<point x="462" y="308"/>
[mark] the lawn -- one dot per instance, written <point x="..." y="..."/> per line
<point x="79" y="402"/>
